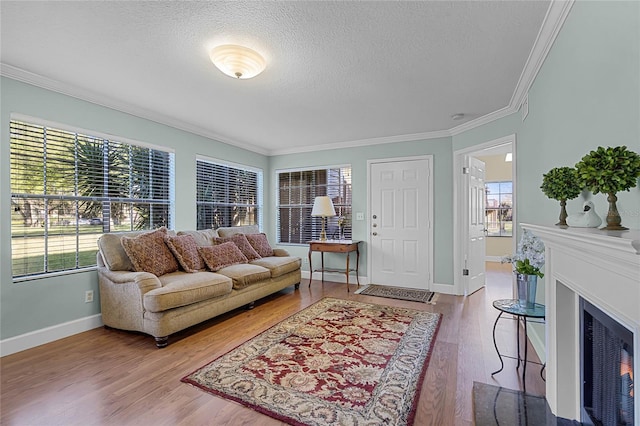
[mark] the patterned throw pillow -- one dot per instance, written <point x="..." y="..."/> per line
<point x="260" y="243"/>
<point x="222" y="255"/>
<point x="149" y="253"/>
<point x="185" y="249"/>
<point x="241" y="241"/>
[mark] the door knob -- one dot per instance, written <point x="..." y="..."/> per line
<point x="375" y="217"/>
<point x="375" y="225"/>
<point x="375" y="233"/>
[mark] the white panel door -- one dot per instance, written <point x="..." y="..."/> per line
<point x="400" y="212"/>
<point x="476" y="249"/>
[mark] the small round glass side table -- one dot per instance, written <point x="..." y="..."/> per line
<point x="523" y="312"/>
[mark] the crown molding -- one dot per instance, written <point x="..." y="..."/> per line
<point x="34" y="79"/>
<point x="485" y="119"/>
<point x="551" y="26"/>
<point x="365" y="142"/>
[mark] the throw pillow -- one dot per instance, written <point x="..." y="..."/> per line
<point x="241" y="241"/>
<point x="222" y="255"/>
<point x="149" y="253"/>
<point x="261" y="244"/>
<point x="185" y="249"/>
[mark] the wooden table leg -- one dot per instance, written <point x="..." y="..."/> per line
<point x="357" y="265"/>
<point x="310" y="268"/>
<point x="347" y="271"/>
<point x="322" y="260"/>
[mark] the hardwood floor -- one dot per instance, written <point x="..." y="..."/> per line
<point x="112" y="377"/>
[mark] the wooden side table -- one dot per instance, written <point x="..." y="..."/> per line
<point x="334" y="246"/>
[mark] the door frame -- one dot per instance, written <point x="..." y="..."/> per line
<point x="460" y="227"/>
<point x="430" y="243"/>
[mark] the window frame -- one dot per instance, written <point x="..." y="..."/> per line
<point x="259" y="205"/>
<point x="344" y="209"/>
<point x="67" y="133"/>
<point x="503" y="233"/>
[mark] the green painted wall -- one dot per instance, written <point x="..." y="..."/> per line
<point x="33" y="305"/>
<point x="357" y="158"/>
<point x="586" y="95"/>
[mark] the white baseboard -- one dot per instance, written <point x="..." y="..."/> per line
<point x="40" y="337"/>
<point x="493" y="259"/>
<point x="443" y="288"/>
<point x="340" y="278"/>
<point x="336" y="277"/>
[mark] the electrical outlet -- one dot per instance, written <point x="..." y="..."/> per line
<point x="359" y="216"/>
<point x="88" y="296"/>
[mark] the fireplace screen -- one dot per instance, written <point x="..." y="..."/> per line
<point x="607" y="369"/>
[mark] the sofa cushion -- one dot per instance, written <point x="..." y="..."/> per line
<point x="181" y="289"/>
<point x="203" y="237"/>
<point x="232" y="230"/>
<point x="260" y="244"/>
<point x="222" y="255"/>
<point x="279" y="265"/>
<point x="243" y="275"/>
<point x="185" y="250"/>
<point x="149" y="253"/>
<point x="241" y="241"/>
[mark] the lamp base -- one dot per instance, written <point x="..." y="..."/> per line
<point x="323" y="234"/>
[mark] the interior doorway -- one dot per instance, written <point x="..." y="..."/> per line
<point x="498" y="157"/>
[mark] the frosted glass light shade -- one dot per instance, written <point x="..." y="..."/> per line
<point x="322" y="206"/>
<point x="237" y="61"/>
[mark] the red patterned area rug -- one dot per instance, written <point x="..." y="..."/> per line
<point x="337" y="362"/>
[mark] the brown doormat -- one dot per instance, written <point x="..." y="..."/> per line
<point x="402" y="293"/>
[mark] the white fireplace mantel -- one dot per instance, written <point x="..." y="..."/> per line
<point x="603" y="267"/>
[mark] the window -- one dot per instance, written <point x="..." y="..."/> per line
<point x="68" y="188"/>
<point x="296" y="192"/>
<point x="227" y="195"/>
<point x="499" y="209"/>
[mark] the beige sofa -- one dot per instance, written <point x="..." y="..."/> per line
<point x="162" y="305"/>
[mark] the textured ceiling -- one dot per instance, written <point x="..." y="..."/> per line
<point x="337" y="72"/>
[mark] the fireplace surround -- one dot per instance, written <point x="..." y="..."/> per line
<point x="603" y="269"/>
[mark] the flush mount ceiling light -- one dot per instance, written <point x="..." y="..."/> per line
<point x="237" y="61"/>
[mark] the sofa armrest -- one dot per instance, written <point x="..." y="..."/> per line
<point x="280" y="252"/>
<point x="145" y="281"/>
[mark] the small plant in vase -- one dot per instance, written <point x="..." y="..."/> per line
<point x="610" y="170"/>
<point x="528" y="263"/>
<point x="562" y="184"/>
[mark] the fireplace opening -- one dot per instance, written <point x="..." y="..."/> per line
<point x="607" y="369"/>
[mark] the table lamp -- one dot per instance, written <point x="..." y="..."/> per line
<point x="323" y="207"/>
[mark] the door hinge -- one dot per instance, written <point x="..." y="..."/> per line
<point x="465" y="170"/>
<point x="465" y="272"/>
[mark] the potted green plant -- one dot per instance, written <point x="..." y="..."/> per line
<point x="562" y="184"/>
<point x="610" y="170"/>
<point x="528" y="263"/>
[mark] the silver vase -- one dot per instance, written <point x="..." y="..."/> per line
<point x="527" y="286"/>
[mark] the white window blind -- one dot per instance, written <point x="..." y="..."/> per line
<point x="296" y="192"/>
<point x="68" y="188"/>
<point x="227" y="195"/>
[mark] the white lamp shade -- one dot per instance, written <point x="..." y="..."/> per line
<point x="322" y="206"/>
<point x="237" y="61"/>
